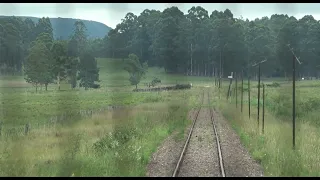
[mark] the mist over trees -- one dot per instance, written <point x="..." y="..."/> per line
<point x="192" y="44"/>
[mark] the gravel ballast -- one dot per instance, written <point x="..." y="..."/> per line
<point x="165" y="159"/>
<point x="201" y="156"/>
<point x="237" y="160"/>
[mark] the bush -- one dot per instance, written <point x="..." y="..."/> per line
<point x="120" y="136"/>
<point x="96" y="86"/>
<point x="274" y="84"/>
<point x="154" y="82"/>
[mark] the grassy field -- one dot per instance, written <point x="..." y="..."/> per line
<point x="63" y="140"/>
<point x="274" y="148"/>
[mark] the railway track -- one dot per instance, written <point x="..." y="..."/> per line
<point x="218" y="156"/>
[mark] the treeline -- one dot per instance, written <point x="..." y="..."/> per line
<point x="194" y="43"/>
<point x="30" y="49"/>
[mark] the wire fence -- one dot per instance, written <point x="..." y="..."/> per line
<point x="23" y="130"/>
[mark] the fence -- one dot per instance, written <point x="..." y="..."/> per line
<point x="24" y="130"/>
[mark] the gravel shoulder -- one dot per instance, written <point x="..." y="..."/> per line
<point x="236" y="159"/>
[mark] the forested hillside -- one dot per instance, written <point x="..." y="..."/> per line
<point x="63" y="27"/>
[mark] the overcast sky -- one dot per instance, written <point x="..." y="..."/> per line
<point x="112" y="13"/>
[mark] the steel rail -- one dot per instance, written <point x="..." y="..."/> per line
<point x="217" y="140"/>
<point x="187" y="141"/>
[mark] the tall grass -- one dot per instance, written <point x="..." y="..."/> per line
<point x="108" y="143"/>
<point x="273" y="149"/>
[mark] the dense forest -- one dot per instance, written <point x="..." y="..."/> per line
<point x="193" y="44"/>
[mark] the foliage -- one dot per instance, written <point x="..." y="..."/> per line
<point x="194" y="43"/>
<point x="155" y="81"/>
<point x="38" y="69"/>
<point x="135" y="69"/>
<point x="274" y="84"/>
<point x="59" y="57"/>
<point x="88" y="71"/>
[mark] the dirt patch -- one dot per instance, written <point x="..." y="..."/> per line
<point x="164" y="160"/>
<point x="237" y="160"/>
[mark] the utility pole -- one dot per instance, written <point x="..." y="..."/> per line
<point x="249" y="95"/>
<point x="263" y="99"/>
<point x="294" y="59"/>
<point x="191" y="53"/>
<point x="220" y="80"/>
<point x="220" y="71"/>
<point x="259" y="74"/>
<point x="259" y="95"/>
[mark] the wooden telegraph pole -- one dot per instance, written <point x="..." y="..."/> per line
<point x="294" y="59"/>
<point x="259" y="74"/>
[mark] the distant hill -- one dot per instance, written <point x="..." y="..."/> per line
<point x="63" y="27"/>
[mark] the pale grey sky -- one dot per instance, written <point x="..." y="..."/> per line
<point x="112" y="13"/>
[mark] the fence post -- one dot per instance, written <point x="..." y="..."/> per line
<point x="241" y="90"/>
<point x="229" y="89"/>
<point x="27" y="129"/>
<point x="215" y="77"/>
<point x="1" y="128"/>
<point x="236" y="89"/>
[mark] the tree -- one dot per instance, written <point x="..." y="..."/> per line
<point x="166" y="44"/>
<point x="38" y="68"/>
<point x="44" y="26"/>
<point x="135" y="69"/>
<point x="72" y="62"/>
<point x="198" y="32"/>
<point x="59" y="58"/>
<point x="72" y="70"/>
<point x="80" y="37"/>
<point x="46" y="38"/>
<point x="287" y="35"/>
<point x="88" y="70"/>
<point x="180" y="43"/>
<point x="12" y="47"/>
